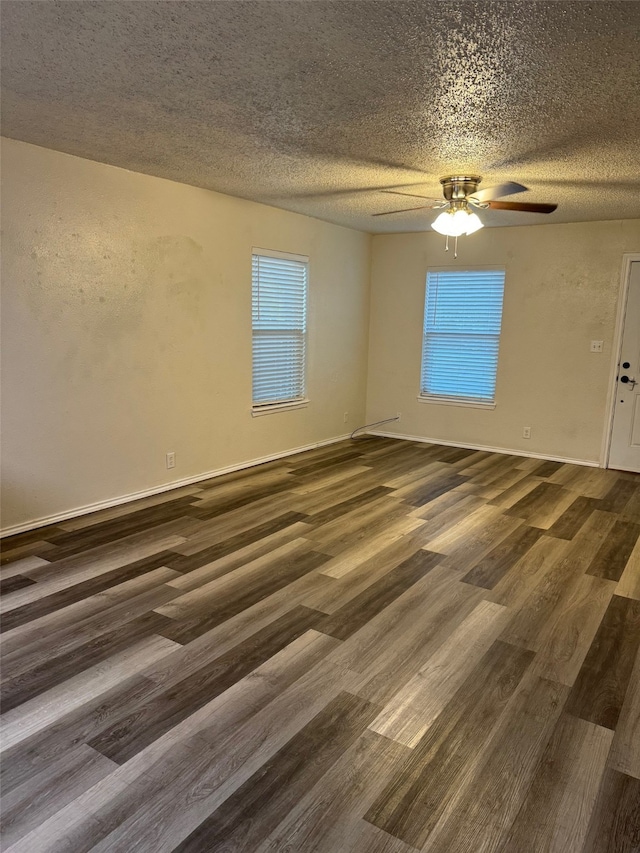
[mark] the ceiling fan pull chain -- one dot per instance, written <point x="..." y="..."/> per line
<point x="455" y="247"/>
<point x="446" y="243"/>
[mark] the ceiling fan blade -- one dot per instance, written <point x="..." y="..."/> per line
<point x="413" y="195"/>
<point x="517" y="205"/>
<point x="499" y="190"/>
<point x="405" y="210"/>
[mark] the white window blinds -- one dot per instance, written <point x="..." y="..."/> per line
<point x="462" y="319"/>
<point x="279" y="312"/>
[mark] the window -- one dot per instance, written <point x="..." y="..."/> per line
<point x="462" y="318"/>
<point x="279" y="313"/>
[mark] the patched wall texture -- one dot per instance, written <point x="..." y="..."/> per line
<point x="127" y="331"/>
<point x="561" y="291"/>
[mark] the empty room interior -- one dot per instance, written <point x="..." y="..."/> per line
<point x="320" y="426"/>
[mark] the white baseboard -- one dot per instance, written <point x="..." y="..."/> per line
<point x="157" y="490"/>
<point x="508" y="450"/>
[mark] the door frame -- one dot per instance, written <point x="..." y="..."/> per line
<point x="616" y="345"/>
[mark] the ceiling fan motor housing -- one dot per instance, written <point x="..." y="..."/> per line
<point x="458" y="187"/>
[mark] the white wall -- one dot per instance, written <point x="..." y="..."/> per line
<point x="561" y="291"/>
<point x="127" y="331"/>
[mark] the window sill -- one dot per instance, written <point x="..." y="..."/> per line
<point x="272" y="408"/>
<point x="454" y="401"/>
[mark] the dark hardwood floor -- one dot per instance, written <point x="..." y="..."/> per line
<point x="375" y="646"/>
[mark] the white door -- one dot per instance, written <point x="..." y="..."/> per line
<point x="625" y="438"/>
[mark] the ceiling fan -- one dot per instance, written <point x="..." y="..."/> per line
<point x="460" y="194"/>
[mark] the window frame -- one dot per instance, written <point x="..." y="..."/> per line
<point x="268" y="407"/>
<point x="468" y="401"/>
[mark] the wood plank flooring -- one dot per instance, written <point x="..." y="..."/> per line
<point x="377" y="646"/>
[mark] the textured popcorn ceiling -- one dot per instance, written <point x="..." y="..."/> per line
<point x="315" y="106"/>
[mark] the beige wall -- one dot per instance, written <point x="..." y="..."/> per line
<point x="127" y="331"/>
<point x="561" y="291"/>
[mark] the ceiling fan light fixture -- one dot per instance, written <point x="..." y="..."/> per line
<point x="448" y="225"/>
<point x="455" y="223"/>
<point x="473" y="222"/>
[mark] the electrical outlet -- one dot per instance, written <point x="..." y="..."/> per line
<point x="526" y="432"/>
<point x="346" y="417"/>
<point x="596" y="346"/>
<point x="171" y="460"/>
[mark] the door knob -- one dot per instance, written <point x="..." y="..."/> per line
<point x="628" y="380"/>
